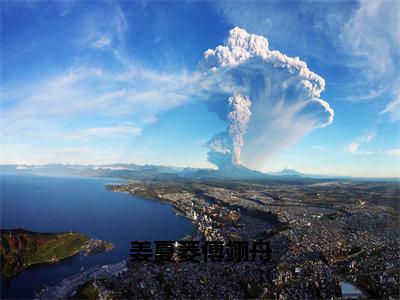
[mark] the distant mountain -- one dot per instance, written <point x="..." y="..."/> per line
<point x="133" y="171"/>
<point x="237" y="172"/>
<point x="289" y="172"/>
<point x="126" y="171"/>
<point x="155" y="172"/>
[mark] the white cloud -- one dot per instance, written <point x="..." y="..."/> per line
<point x="353" y="147"/>
<point x="44" y="154"/>
<point x="369" y="137"/>
<point x="393" y="107"/>
<point x="103" y="42"/>
<point x="373" y="34"/>
<point x="137" y="95"/>
<point x="127" y="95"/>
<point x="369" y="95"/>
<point x="109" y="131"/>
<point x="106" y="26"/>
<point x="127" y="131"/>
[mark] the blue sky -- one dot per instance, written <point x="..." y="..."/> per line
<point x="104" y="82"/>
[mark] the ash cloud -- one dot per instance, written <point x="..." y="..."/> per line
<point x="267" y="99"/>
<point x="226" y="146"/>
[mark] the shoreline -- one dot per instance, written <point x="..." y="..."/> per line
<point x="89" y="247"/>
<point x="200" y="209"/>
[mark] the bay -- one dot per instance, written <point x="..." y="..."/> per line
<point x="84" y="205"/>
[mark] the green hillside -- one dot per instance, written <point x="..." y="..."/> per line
<point x="22" y="248"/>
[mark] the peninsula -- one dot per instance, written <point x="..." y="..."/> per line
<point x="22" y="248"/>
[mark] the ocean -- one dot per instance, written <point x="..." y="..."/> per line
<point x="56" y="204"/>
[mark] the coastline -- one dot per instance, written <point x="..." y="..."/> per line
<point x="37" y="240"/>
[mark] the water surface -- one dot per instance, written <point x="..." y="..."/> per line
<point x="52" y="204"/>
<point x="350" y="291"/>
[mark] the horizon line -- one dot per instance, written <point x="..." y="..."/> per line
<point x="273" y="173"/>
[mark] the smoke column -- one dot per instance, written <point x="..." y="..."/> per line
<point x="230" y="142"/>
<point x="238" y="118"/>
<point x="267" y="99"/>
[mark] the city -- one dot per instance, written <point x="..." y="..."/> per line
<point x="211" y="149"/>
<point x="322" y="234"/>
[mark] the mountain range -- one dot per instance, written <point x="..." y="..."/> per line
<point x="139" y="172"/>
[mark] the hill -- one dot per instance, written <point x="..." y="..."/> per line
<point x="21" y="248"/>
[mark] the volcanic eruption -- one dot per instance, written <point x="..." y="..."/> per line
<point x="267" y="99"/>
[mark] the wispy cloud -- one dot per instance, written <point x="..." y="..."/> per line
<point x="103" y="42"/>
<point x="354" y="147"/>
<point x="65" y="7"/>
<point x="44" y="154"/>
<point x="110" y="131"/>
<point x="97" y="93"/>
<point x="86" y="133"/>
<point x="122" y="92"/>
<point x="138" y="95"/>
<point x="395" y="152"/>
<point x="372" y="34"/>
<point x="393" y="107"/>
<point x="369" y="137"/>
<point x="106" y="26"/>
<point x="359" y="147"/>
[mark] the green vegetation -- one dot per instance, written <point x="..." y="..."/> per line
<point x="87" y="291"/>
<point x="21" y="248"/>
